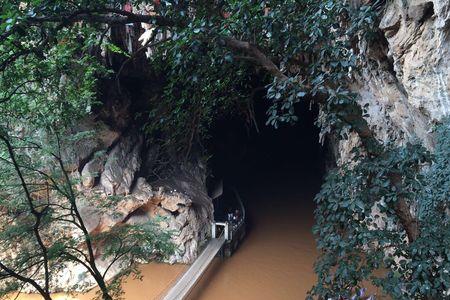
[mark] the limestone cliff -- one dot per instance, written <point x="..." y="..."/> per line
<point x="118" y="163"/>
<point x="404" y="84"/>
<point x="405" y="79"/>
<point x="120" y="169"/>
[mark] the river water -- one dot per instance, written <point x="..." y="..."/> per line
<point x="157" y="279"/>
<point x="277" y="177"/>
<point x="275" y="260"/>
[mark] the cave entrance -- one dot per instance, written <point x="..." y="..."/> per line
<point x="250" y="158"/>
<point x="277" y="172"/>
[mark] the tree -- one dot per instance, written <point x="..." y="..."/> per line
<point x="44" y="231"/>
<point x="44" y="91"/>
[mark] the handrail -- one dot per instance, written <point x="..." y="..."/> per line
<point x="187" y="281"/>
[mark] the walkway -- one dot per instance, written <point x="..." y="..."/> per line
<point x="186" y="282"/>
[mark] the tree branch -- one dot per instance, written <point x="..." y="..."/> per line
<point x="105" y="16"/>
<point x="36" y="214"/>
<point x="16" y="275"/>
<point x="257" y="55"/>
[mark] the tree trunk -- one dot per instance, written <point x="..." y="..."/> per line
<point x="409" y="223"/>
<point x="46" y="296"/>
<point x="104" y="289"/>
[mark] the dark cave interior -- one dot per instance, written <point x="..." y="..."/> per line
<point x="242" y="155"/>
<point x="278" y="160"/>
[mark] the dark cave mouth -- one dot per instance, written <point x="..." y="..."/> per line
<point x="241" y="154"/>
<point x="246" y="158"/>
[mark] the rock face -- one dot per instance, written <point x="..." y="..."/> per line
<point x="405" y="83"/>
<point x="406" y="79"/>
<point x="112" y="164"/>
<point x="187" y="219"/>
<point x="96" y="136"/>
<point x="92" y="170"/>
<point x="121" y="166"/>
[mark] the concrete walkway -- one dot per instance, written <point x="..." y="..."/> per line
<point x="185" y="283"/>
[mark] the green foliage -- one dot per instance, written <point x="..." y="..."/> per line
<point x="430" y="259"/>
<point x="308" y="50"/>
<point x="283" y="95"/>
<point x="360" y="233"/>
<point x="202" y="83"/>
<point x="141" y="242"/>
<point x="313" y="43"/>
<point x="48" y="83"/>
<point x="52" y="90"/>
<point x="45" y="207"/>
<point x="437" y="193"/>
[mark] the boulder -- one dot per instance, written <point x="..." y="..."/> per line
<point x="92" y="170"/>
<point x="121" y="166"/>
<point x="94" y="136"/>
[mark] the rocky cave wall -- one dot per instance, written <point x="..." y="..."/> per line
<point x="118" y="159"/>
<point x="405" y="81"/>
<point x="114" y="163"/>
<point x="109" y="162"/>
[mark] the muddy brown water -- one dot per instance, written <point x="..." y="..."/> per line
<point x="274" y="262"/>
<point x="157" y="279"/>
<point x="276" y="259"/>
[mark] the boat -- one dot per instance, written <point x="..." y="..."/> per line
<point x="229" y="212"/>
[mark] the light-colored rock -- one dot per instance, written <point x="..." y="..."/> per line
<point x="92" y="170"/>
<point x="407" y="89"/>
<point x="180" y="205"/>
<point x="174" y="211"/>
<point x="90" y="215"/>
<point x="345" y="148"/>
<point x="405" y="82"/>
<point x="96" y="136"/>
<point x="172" y="202"/>
<point x="142" y="190"/>
<point x="121" y="166"/>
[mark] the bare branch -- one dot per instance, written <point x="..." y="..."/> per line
<point x="37" y="215"/>
<point x="14" y="92"/>
<point x="30" y="281"/>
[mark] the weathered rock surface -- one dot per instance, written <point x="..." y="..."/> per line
<point x="179" y="204"/>
<point x="108" y="163"/>
<point x="406" y="80"/>
<point x="405" y="83"/>
<point x="92" y="170"/>
<point x="121" y="166"/>
<point x="97" y="136"/>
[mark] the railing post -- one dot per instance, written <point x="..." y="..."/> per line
<point x="213" y="230"/>
<point x="226" y="231"/>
